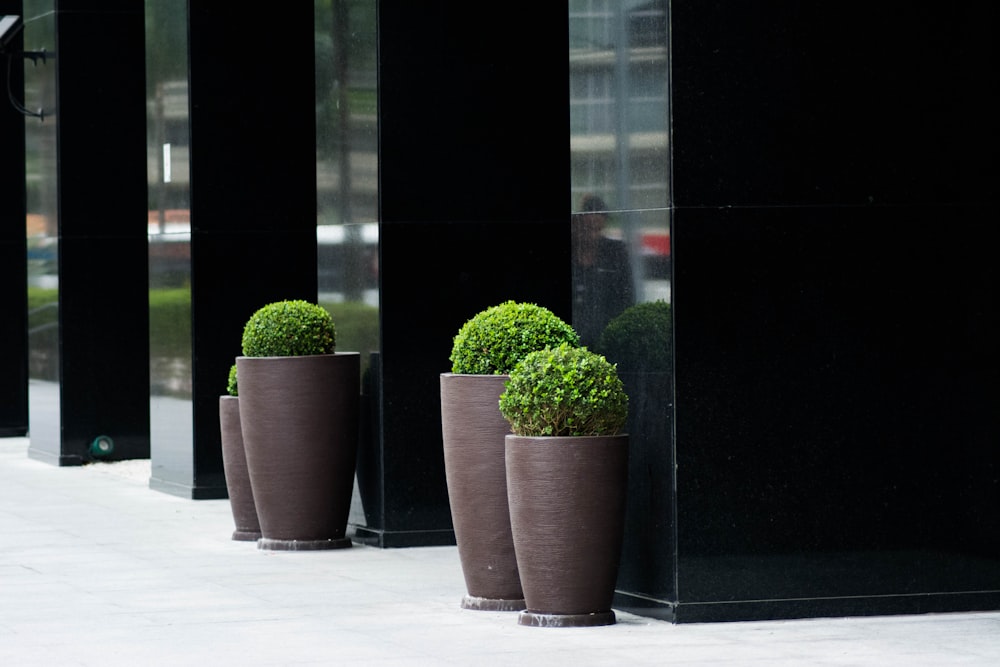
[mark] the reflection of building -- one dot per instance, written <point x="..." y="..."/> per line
<point x="618" y="130"/>
<point x="830" y="449"/>
<point x="618" y="102"/>
<point x="168" y="154"/>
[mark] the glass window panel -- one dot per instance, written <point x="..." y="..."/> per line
<point x="620" y="175"/>
<point x="619" y="156"/>
<point x="169" y="234"/>
<point x="347" y="170"/>
<point x="42" y="223"/>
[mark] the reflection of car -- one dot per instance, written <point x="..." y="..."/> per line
<point x="347" y="254"/>
<point x="169" y="249"/>
<point x="344" y="253"/>
<point x="343" y="250"/>
<point x="655" y="250"/>
<point x="42" y="255"/>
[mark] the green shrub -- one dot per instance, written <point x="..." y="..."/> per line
<point x="231" y="387"/>
<point x="41" y="296"/>
<point x="170" y="322"/>
<point x="495" y="339"/>
<point x="639" y="339"/>
<point x="289" y="329"/>
<point x="357" y="325"/>
<point x="564" y="391"/>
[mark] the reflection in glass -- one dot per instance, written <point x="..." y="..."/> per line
<point x="621" y="249"/>
<point x="347" y="174"/>
<point x="618" y="137"/>
<point x="602" y="276"/>
<point x="347" y="206"/>
<point x="42" y="226"/>
<point x="169" y="235"/>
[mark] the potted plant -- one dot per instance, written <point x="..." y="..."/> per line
<point x="484" y="351"/>
<point x="299" y="412"/>
<point x="234" y="464"/>
<point x="567" y="469"/>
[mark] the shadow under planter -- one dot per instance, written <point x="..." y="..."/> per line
<point x="300" y="420"/>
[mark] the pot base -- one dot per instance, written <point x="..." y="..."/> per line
<point x="540" y="620"/>
<point x="491" y="604"/>
<point x="272" y="544"/>
<point x="246" y="535"/>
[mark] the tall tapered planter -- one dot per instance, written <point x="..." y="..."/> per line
<point x="567" y="507"/>
<point x="299" y="418"/>
<point x="473" y="433"/>
<point x="234" y="464"/>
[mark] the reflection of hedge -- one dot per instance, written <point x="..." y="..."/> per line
<point x="640" y="338"/>
<point x="170" y="321"/>
<point x="38" y="314"/>
<point x="357" y="327"/>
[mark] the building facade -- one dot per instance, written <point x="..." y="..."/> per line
<point x="807" y="190"/>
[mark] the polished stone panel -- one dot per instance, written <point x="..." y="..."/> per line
<point x="833" y="103"/>
<point x="834" y="420"/>
<point x="834" y="315"/>
<point x="104" y="351"/>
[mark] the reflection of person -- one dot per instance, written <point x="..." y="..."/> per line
<point x="602" y="281"/>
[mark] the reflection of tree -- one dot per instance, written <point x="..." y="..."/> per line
<point x="618" y="109"/>
<point x="340" y="31"/>
<point x="166" y="28"/>
<point x="345" y="71"/>
<point x="170" y="363"/>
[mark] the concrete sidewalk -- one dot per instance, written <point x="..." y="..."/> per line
<point x="96" y="569"/>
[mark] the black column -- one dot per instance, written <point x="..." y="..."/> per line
<point x="835" y="310"/>
<point x="101" y="166"/>
<point x="474" y="189"/>
<point x="13" y="258"/>
<point x="253" y="201"/>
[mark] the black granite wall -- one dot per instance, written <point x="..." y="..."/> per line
<point x="13" y="258"/>
<point x="835" y="310"/>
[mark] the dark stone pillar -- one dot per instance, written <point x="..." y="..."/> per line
<point x="835" y="311"/>
<point x="103" y="376"/>
<point x="253" y="203"/>
<point x="13" y="258"/>
<point x="474" y="184"/>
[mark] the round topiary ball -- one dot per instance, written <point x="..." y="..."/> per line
<point x="640" y="338"/>
<point x="289" y="329"/>
<point x="231" y="387"/>
<point x="564" y="391"/>
<point x="495" y="339"/>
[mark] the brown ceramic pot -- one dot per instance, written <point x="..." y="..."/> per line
<point x="300" y="431"/>
<point x="234" y="464"/>
<point x="567" y="510"/>
<point x="473" y="433"/>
